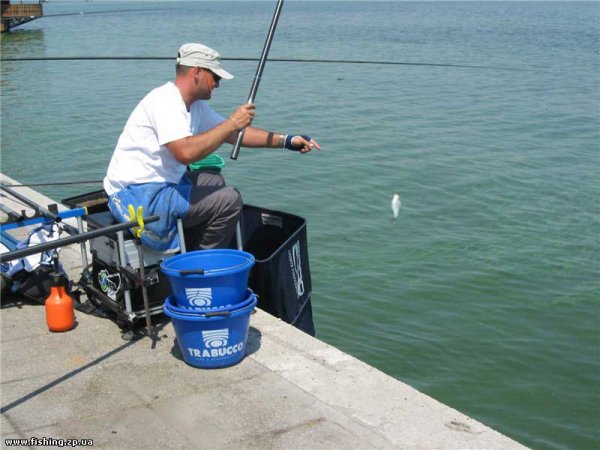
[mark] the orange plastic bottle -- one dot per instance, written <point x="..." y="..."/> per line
<point x="60" y="314"/>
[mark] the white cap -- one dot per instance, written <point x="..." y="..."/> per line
<point x="198" y="55"/>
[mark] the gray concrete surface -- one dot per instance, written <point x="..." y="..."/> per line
<point x="290" y="392"/>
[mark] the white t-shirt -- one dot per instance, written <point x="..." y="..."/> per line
<point x="161" y="117"/>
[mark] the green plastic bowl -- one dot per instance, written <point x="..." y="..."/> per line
<point x="211" y="162"/>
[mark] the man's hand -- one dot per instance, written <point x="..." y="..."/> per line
<point x="302" y="144"/>
<point x="243" y="116"/>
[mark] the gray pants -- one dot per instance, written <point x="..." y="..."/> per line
<point x="214" y="211"/>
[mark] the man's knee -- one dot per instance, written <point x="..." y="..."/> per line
<point x="233" y="199"/>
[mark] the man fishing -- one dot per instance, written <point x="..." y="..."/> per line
<point x="170" y="128"/>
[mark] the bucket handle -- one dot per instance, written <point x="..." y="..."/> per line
<point x="206" y="313"/>
<point x="192" y="272"/>
<point x="217" y="313"/>
<point x="203" y="271"/>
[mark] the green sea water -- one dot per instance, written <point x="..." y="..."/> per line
<point x="485" y="292"/>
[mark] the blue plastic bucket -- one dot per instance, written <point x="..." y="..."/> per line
<point x="212" y="339"/>
<point x="249" y="297"/>
<point x="207" y="280"/>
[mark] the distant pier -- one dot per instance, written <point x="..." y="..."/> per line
<point x="15" y="14"/>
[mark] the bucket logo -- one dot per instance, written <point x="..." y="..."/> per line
<point x="215" y="345"/>
<point x="199" y="296"/>
<point x="109" y="283"/>
<point x="215" y="338"/>
<point x="296" y="266"/>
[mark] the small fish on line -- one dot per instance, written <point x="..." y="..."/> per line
<point x="396" y="204"/>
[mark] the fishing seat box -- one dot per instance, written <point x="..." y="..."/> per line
<point x="112" y="282"/>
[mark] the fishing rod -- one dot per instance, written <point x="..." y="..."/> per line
<point x="289" y="60"/>
<point x="38" y="211"/>
<point x="259" y="71"/>
<point x="22" y="253"/>
<point x="12" y="215"/>
<point x="37" y="208"/>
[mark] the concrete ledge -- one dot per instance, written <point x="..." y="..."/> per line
<point x="291" y="391"/>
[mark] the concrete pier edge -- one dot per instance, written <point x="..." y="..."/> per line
<point x="291" y="390"/>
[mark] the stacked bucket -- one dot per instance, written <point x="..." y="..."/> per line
<point x="211" y="305"/>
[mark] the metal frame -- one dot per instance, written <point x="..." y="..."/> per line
<point x="135" y="277"/>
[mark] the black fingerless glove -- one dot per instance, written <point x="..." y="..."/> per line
<point x="288" y="142"/>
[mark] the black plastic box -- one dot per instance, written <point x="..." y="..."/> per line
<point x="95" y="202"/>
<point x="281" y="275"/>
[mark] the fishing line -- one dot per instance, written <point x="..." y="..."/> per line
<point x="83" y="13"/>
<point x="61" y="183"/>
<point x="291" y="60"/>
